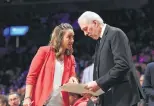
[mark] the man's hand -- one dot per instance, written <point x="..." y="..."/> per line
<point x="92" y="86"/>
<point x="73" y="80"/>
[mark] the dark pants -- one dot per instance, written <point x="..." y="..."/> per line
<point x="135" y="105"/>
<point x="90" y="103"/>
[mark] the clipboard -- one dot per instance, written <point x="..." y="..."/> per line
<point x="79" y="89"/>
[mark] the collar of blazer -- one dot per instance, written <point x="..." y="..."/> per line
<point x="104" y="34"/>
<point x="102" y="43"/>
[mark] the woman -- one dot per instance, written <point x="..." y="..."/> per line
<point x="52" y="66"/>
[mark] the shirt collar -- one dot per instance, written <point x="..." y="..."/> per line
<point x="103" y="29"/>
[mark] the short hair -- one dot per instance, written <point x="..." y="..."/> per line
<point x="89" y="16"/>
<point x="3" y="99"/>
<point x="12" y="93"/>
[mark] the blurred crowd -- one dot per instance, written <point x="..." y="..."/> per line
<point x="14" y="62"/>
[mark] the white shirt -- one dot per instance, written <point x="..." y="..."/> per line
<point x="59" y="69"/>
<point x="88" y="74"/>
<point x="103" y="29"/>
<point x="56" y="97"/>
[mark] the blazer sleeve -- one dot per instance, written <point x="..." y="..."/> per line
<point x="35" y="66"/>
<point x="147" y="85"/>
<point x="72" y="73"/>
<point x="121" y="57"/>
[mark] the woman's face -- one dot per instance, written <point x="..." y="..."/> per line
<point x="68" y="39"/>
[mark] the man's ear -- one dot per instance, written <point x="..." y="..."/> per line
<point x="95" y="22"/>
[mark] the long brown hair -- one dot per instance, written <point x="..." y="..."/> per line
<point x="57" y="37"/>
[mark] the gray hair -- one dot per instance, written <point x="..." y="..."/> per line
<point x="89" y="16"/>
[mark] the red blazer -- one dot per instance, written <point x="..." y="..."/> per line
<point x="41" y="75"/>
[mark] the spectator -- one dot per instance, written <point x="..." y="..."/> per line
<point x="148" y="83"/>
<point x="3" y="100"/>
<point x="13" y="99"/>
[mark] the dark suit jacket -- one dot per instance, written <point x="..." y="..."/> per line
<point x="114" y="70"/>
<point x="148" y="83"/>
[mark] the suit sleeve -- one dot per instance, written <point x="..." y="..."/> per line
<point x="147" y="86"/>
<point x="35" y="66"/>
<point x="73" y="67"/>
<point x="121" y="57"/>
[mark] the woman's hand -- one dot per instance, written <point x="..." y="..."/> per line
<point x="27" y="102"/>
<point x="94" y="99"/>
<point x="73" y="80"/>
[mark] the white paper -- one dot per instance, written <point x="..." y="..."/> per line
<point x="79" y="89"/>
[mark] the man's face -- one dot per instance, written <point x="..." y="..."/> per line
<point x="90" y="29"/>
<point x="14" y="100"/>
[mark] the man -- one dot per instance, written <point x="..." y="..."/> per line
<point x="87" y="75"/>
<point x="148" y="83"/>
<point x="3" y="100"/>
<point x="114" y="71"/>
<point x="13" y="99"/>
<point x="141" y="79"/>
